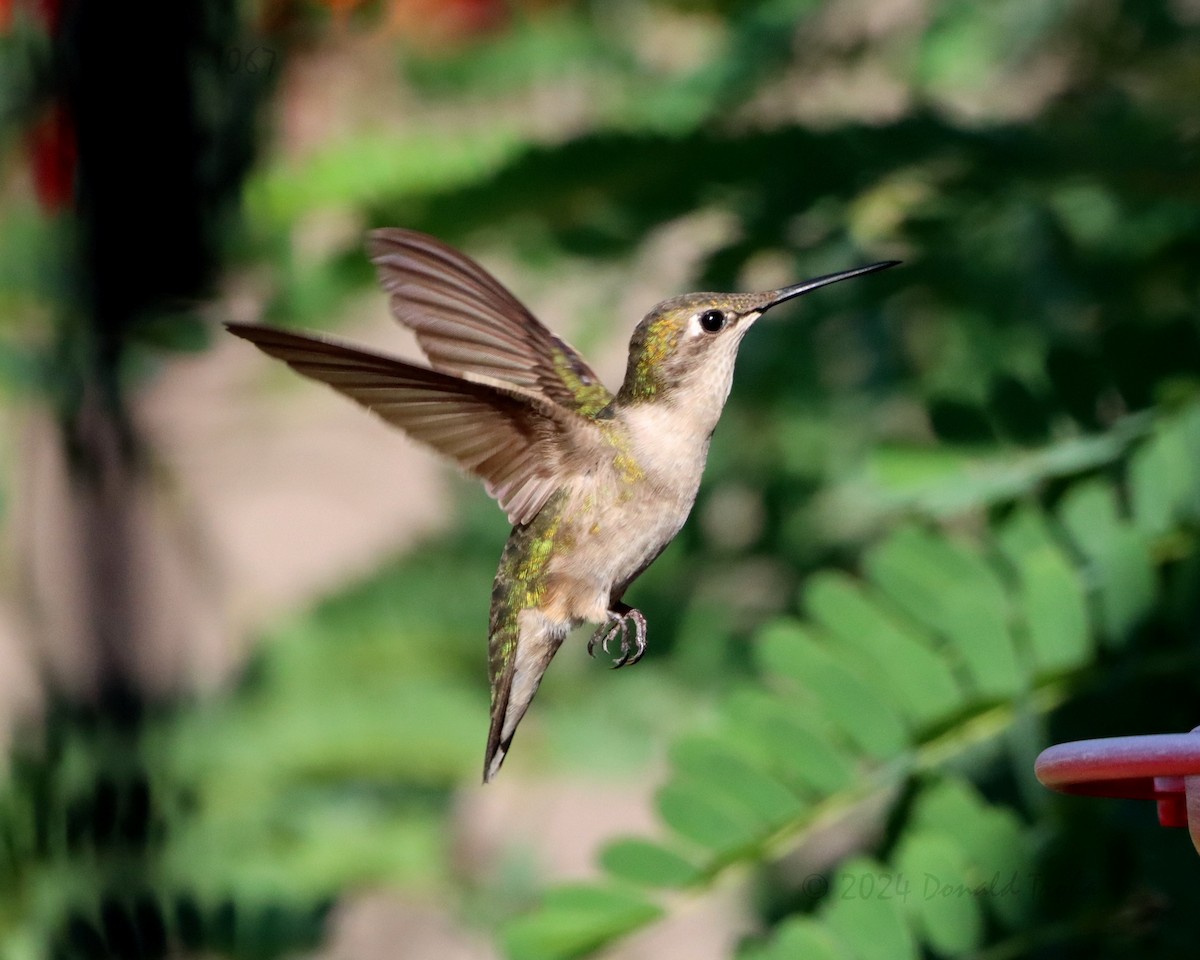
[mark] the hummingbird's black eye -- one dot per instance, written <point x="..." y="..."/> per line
<point x="712" y="321"/>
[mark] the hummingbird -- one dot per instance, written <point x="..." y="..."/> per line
<point x="595" y="484"/>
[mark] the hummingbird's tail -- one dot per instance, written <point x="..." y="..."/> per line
<point x="522" y="649"/>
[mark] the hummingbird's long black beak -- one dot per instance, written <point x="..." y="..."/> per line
<point x="777" y="297"/>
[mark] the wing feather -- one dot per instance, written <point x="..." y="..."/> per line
<point x="518" y="443"/>
<point x="469" y="324"/>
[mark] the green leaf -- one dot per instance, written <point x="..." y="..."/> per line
<point x="647" y="863"/>
<point x="952" y="590"/>
<point x="692" y="811"/>
<point x="943" y="898"/>
<point x="1051" y="595"/>
<point x="798" y="751"/>
<point x="944" y="481"/>
<point x="789" y="650"/>
<point x="918" y="678"/>
<point x="574" y="920"/>
<point x="799" y="937"/>
<point x="997" y="850"/>
<point x="871" y="922"/>
<point x="1157" y="482"/>
<point x="803" y="937"/>
<point x="1183" y="435"/>
<point x="1117" y="554"/>
<point x="1163" y="485"/>
<point x="710" y="762"/>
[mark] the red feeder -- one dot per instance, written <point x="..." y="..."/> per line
<point x="1164" y="768"/>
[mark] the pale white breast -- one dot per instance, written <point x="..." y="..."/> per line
<point x="624" y="512"/>
<point x="670" y="457"/>
<point x="664" y="447"/>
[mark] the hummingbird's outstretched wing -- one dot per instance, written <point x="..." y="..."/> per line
<point x="518" y="443"/>
<point x="468" y="323"/>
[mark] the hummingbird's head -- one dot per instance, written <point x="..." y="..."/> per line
<point x="685" y="347"/>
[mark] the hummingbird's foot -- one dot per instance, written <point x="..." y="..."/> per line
<point x="632" y="652"/>
<point x="618" y="622"/>
<point x="606" y="631"/>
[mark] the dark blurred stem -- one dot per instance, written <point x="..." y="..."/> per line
<point x="104" y="476"/>
<point x="164" y="134"/>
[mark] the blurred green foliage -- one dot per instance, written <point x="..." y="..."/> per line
<point x="973" y="486"/>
